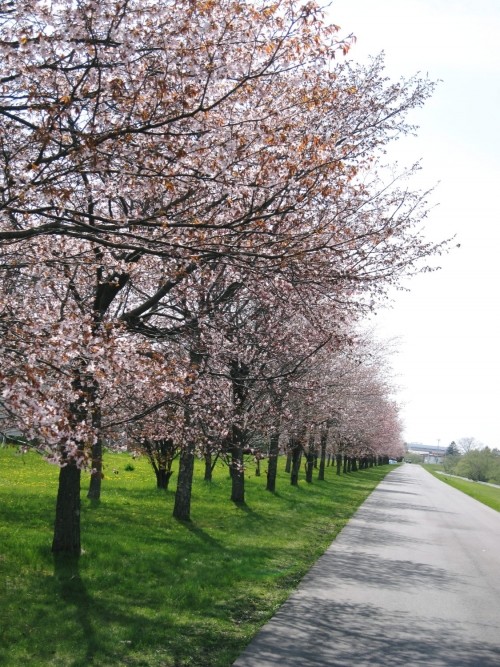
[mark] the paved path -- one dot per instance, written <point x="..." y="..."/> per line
<point x="413" y="579"/>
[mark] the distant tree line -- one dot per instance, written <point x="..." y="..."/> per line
<point x="469" y="458"/>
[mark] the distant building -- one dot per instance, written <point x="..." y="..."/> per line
<point x="429" y="454"/>
<point x="432" y="457"/>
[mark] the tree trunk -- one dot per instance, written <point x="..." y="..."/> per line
<point x="94" y="492"/>
<point x="239" y="371"/>
<point x="237" y="473"/>
<point x="272" y="468"/>
<point x="322" y="458"/>
<point x="310" y="457"/>
<point x="296" y="457"/>
<point x="237" y="467"/>
<point x="90" y="387"/>
<point x="257" y="467"/>
<point x="338" y="461"/>
<point x="288" y="464"/>
<point x="163" y="478"/>
<point x="354" y="464"/>
<point x="208" y="465"/>
<point x="67" y="522"/>
<point x="161" y="454"/>
<point x="66" y="539"/>
<point x="182" y="504"/>
<point x="309" y="467"/>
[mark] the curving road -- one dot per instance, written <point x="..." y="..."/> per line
<point x="413" y="579"/>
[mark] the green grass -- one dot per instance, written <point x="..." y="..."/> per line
<point x="148" y="590"/>
<point x="488" y="495"/>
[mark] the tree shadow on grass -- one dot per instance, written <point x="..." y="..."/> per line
<point x="201" y="534"/>
<point x="72" y="592"/>
<point x="244" y="508"/>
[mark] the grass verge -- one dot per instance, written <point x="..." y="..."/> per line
<point x="488" y="495"/>
<point x="150" y="591"/>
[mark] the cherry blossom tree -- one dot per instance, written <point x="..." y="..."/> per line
<point x="155" y="158"/>
<point x="369" y="426"/>
<point x="346" y="403"/>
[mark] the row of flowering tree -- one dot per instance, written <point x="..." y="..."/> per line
<point x="191" y="216"/>
<point x="344" y="410"/>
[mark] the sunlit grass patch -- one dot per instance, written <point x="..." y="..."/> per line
<point x="149" y="590"/>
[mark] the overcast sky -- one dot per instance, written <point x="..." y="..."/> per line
<point x="448" y="364"/>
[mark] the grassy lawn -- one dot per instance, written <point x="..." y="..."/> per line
<point x="488" y="495"/>
<point x="149" y="590"/>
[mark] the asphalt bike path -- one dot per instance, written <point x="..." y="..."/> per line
<point x="413" y="579"/>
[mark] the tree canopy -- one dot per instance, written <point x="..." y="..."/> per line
<point x="193" y="216"/>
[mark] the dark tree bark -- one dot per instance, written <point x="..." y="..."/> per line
<point x="208" y="465"/>
<point x="237" y="467"/>
<point x="322" y="456"/>
<point x="161" y="454"/>
<point x="67" y="522"/>
<point x="239" y="373"/>
<point x="257" y="466"/>
<point x="272" y="468"/>
<point x="182" y="504"/>
<point x="92" y="393"/>
<point x="310" y="457"/>
<point x="168" y="452"/>
<point x="354" y="464"/>
<point x="162" y="479"/>
<point x="66" y="539"/>
<point x="94" y="492"/>
<point x="106" y="291"/>
<point x="338" y="461"/>
<point x="296" y="448"/>
<point x="288" y="464"/>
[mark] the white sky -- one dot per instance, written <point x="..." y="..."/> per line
<point x="448" y="365"/>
